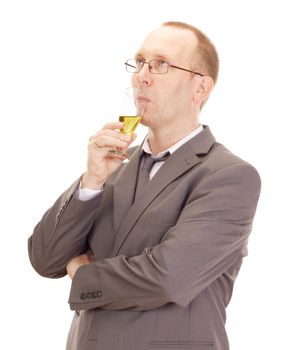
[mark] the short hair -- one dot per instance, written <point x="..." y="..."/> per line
<point x="205" y="57"/>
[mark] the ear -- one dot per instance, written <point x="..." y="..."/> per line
<point x="203" y="88"/>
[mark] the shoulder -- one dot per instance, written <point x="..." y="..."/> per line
<point x="224" y="165"/>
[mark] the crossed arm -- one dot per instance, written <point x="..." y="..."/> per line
<point x="78" y="261"/>
<point x="209" y="237"/>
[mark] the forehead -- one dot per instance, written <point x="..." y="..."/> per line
<point x="169" y="42"/>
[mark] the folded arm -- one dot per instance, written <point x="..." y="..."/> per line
<point x="208" y="239"/>
<point x="61" y="235"/>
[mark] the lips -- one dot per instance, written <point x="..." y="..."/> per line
<point x="142" y="99"/>
<point x="142" y="103"/>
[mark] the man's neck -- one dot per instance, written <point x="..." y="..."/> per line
<point x="161" y="140"/>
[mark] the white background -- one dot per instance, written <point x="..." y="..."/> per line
<point x="61" y="77"/>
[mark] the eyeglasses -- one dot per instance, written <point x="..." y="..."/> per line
<point x="156" y="66"/>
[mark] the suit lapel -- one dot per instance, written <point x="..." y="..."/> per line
<point x="124" y="187"/>
<point x="181" y="161"/>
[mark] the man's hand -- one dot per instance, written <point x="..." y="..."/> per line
<point x="101" y="162"/>
<point x="78" y="261"/>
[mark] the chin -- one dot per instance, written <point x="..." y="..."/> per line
<point x="145" y="121"/>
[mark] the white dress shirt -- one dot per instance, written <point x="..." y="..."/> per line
<point x="85" y="194"/>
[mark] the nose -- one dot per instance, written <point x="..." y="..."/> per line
<point x="144" y="77"/>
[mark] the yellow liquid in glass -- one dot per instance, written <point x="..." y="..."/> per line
<point x="131" y="123"/>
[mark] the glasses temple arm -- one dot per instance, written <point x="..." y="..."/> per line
<point x="187" y="70"/>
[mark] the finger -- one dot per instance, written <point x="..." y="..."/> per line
<point x="108" y="141"/>
<point x="114" y="133"/>
<point x="90" y="255"/>
<point x="117" y="154"/>
<point x="113" y="126"/>
<point x="112" y="153"/>
<point x="109" y="133"/>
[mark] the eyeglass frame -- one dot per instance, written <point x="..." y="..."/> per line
<point x="156" y="59"/>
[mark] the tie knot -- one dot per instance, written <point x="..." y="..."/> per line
<point x="149" y="161"/>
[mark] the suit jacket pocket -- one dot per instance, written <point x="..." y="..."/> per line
<point x="176" y="345"/>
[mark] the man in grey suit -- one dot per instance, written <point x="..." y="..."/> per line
<point x="153" y="265"/>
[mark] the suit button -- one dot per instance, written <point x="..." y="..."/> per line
<point x="96" y="294"/>
<point x="91" y="295"/>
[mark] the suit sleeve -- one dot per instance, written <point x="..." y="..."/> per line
<point x="61" y="235"/>
<point x="209" y="237"/>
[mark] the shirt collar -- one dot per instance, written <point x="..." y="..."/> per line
<point x="173" y="148"/>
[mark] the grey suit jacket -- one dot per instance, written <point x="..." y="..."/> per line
<point x="165" y="265"/>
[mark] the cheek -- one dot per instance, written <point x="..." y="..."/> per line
<point x="134" y="81"/>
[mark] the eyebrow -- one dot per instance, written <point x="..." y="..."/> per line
<point x="158" y="56"/>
